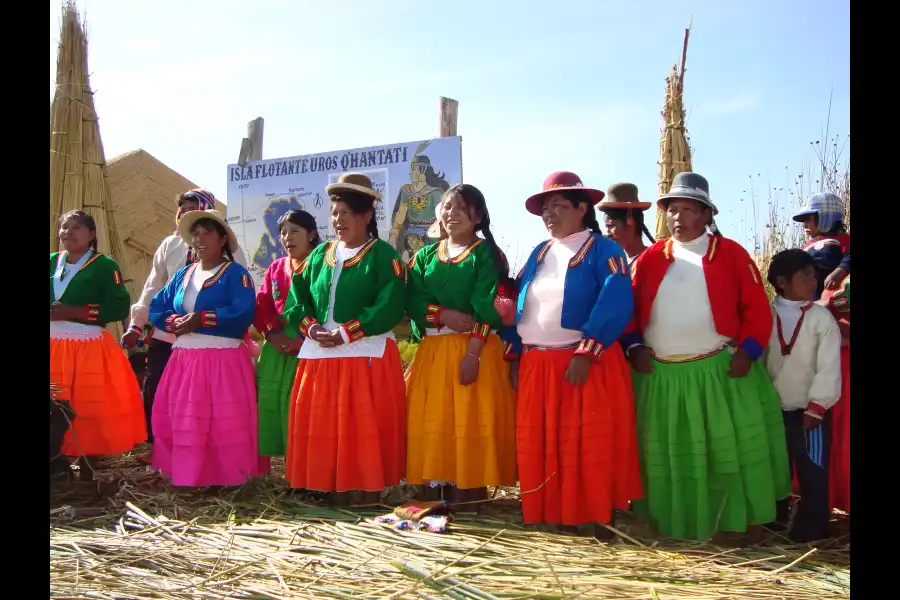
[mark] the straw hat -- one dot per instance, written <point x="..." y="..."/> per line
<point x="557" y="182"/>
<point x="188" y="220"/>
<point x="353" y="182"/>
<point x="622" y="196"/>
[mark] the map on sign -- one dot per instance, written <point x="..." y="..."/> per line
<point x="411" y="178"/>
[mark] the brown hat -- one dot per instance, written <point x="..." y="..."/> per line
<point x="353" y="182"/>
<point x="622" y="196"/>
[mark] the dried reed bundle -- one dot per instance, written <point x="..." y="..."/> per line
<point x="77" y="162"/>
<point x="261" y="542"/>
<point x="674" y="146"/>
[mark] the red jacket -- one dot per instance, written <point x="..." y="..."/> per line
<point x="740" y="308"/>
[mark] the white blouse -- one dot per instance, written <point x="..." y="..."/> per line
<point x="541" y="322"/>
<point x="812" y="370"/>
<point x="681" y="321"/>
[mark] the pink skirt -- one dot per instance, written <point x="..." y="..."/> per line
<point x="204" y="419"/>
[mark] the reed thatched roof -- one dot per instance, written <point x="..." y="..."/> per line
<point x="143" y="191"/>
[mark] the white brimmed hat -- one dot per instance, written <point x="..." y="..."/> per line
<point x="188" y="219"/>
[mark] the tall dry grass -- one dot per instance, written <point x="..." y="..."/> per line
<point x="825" y="168"/>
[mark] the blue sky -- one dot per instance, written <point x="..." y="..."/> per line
<point x="543" y="86"/>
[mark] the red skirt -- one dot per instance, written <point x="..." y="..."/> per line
<point x="839" y="475"/>
<point x="347" y="424"/>
<point x="576" y="445"/>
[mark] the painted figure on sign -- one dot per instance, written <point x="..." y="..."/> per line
<point x="415" y="206"/>
<point x="270" y="249"/>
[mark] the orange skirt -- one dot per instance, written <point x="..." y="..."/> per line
<point x="576" y="445"/>
<point x="347" y="424"/>
<point x="101" y="388"/>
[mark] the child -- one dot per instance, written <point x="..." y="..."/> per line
<point x="804" y="361"/>
<point x="828" y="244"/>
<point x="461" y="415"/>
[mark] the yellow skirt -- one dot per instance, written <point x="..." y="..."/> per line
<point x="460" y="434"/>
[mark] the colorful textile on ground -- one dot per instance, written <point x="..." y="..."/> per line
<point x="433" y="516"/>
<point x="347" y="424"/>
<point x="87" y="363"/>
<point x="713" y="450"/>
<point x="463" y="434"/>
<point x="576" y="444"/>
<point x="204" y="418"/>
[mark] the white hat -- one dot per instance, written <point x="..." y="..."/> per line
<point x="188" y="219"/>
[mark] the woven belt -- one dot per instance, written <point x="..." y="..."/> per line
<point x="529" y="347"/>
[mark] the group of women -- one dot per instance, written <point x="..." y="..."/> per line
<point x="524" y="379"/>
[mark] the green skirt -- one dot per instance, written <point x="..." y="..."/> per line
<point x="275" y="373"/>
<point x="712" y="448"/>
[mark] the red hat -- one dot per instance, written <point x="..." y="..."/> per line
<point x="558" y="181"/>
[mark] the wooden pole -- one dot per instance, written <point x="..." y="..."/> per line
<point x="252" y="145"/>
<point x="449" y="117"/>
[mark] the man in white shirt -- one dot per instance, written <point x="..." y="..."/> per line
<point x="172" y="255"/>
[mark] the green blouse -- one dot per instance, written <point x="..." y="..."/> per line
<point x="368" y="297"/>
<point x="467" y="283"/>
<point x="97" y="286"/>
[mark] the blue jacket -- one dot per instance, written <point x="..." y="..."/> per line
<point x="226" y="302"/>
<point x="597" y="296"/>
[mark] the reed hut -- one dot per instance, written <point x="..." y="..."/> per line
<point x="77" y="162"/>
<point x="143" y="191"/>
<point x="674" y="146"/>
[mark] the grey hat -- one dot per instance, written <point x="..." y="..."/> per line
<point x="690" y="186"/>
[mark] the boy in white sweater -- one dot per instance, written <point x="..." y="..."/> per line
<point x="804" y="360"/>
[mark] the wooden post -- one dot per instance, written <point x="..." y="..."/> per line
<point x="252" y="145"/>
<point x="449" y="116"/>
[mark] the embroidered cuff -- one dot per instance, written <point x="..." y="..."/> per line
<point x="481" y="331"/>
<point x="354" y="330"/>
<point x="511" y="352"/>
<point x="433" y="315"/>
<point x="208" y="318"/>
<point x="630" y="340"/>
<point x="92" y="312"/>
<point x="840" y="303"/>
<point x="590" y="347"/>
<point x="815" y="410"/>
<point x="752" y="347"/>
<point x="170" y="323"/>
<point x="269" y="327"/>
<point x="305" y="324"/>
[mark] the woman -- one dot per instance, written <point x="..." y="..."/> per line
<point x="575" y="433"/>
<point x="623" y="218"/>
<point x="278" y="359"/>
<point x="86" y="293"/>
<point x="461" y="407"/>
<point x="204" y="417"/>
<point x="829" y="243"/>
<point x="173" y="254"/>
<point x="713" y="447"/>
<point x="839" y="479"/>
<point x="347" y="421"/>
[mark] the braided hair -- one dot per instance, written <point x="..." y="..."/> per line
<point x="622" y="214"/>
<point x="474" y="199"/>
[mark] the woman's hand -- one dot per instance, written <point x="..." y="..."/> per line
<point x="514" y="374"/>
<point x="130" y="339"/>
<point x="835" y="278"/>
<point x="330" y="339"/>
<point x="66" y="312"/>
<point x="740" y="364"/>
<point x="640" y="359"/>
<point x="468" y="368"/>
<point x="189" y="323"/>
<point x="579" y="366"/>
<point x="280" y="341"/>
<point x="457" y="321"/>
